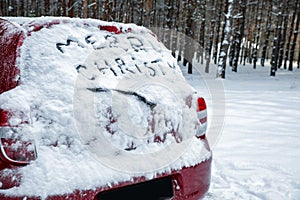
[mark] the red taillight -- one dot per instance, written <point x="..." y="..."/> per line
<point x="202" y="116"/>
<point x="201" y="104"/>
<point x="13" y="149"/>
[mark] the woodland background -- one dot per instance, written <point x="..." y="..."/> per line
<point x="220" y="32"/>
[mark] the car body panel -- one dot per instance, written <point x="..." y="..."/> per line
<point x="189" y="182"/>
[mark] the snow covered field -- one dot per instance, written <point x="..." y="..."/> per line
<point x="257" y="155"/>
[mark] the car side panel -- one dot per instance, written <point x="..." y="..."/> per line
<point x="10" y="39"/>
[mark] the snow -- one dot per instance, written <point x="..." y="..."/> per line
<point x="257" y="154"/>
<point x="70" y="75"/>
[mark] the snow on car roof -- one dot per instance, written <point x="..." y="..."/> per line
<point x="63" y="62"/>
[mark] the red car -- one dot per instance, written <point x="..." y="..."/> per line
<point x="96" y="110"/>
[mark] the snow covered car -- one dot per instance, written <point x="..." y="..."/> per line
<point x="96" y="110"/>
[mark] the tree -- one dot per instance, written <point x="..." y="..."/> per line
<point x="189" y="48"/>
<point x="288" y="45"/>
<point x="283" y="34"/>
<point x="210" y="35"/>
<point x="266" y="41"/>
<point x="219" y="21"/>
<point x="257" y="34"/>
<point x="225" y="41"/>
<point x="295" y="37"/>
<point x="276" y="39"/>
<point x="240" y="35"/>
<point x="201" y="21"/>
<point x="298" y="63"/>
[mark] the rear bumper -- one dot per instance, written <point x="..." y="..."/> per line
<point x="188" y="183"/>
<point x="192" y="183"/>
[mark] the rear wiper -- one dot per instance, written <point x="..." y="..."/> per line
<point x="140" y="97"/>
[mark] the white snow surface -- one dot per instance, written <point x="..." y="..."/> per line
<point x="57" y="66"/>
<point x="257" y="156"/>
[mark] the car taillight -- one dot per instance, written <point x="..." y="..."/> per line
<point x="15" y="147"/>
<point x="202" y="116"/>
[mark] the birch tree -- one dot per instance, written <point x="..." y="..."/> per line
<point x="225" y="42"/>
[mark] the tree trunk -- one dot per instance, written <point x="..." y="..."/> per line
<point x="148" y="6"/>
<point x="70" y="10"/>
<point x="288" y="45"/>
<point x="298" y="63"/>
<point x="295" y="38"/>
<point x="275" y="42"/>
<point x="240" y="35"/>
<point x="201" y="39"/>
<point x="235" y="33"/>
<point x="266" y="42"/>
<point x="251" y="29"/>
<point x="217" y="32"/>
<point x="182" y="30"/>
<point x="211" y="35"/>
<point x="190" y="33"/>
<point x="225" y="42"/>
<point x="283" y="34"/>
<point x="257" y="38"/>
<point x="105" y="11"/>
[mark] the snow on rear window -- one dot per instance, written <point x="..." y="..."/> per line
<point x="51" y="61"/>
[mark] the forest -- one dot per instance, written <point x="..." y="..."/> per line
<point x="220" y="32"/>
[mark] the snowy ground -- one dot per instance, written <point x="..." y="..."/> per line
<point x="257" y="155"/>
